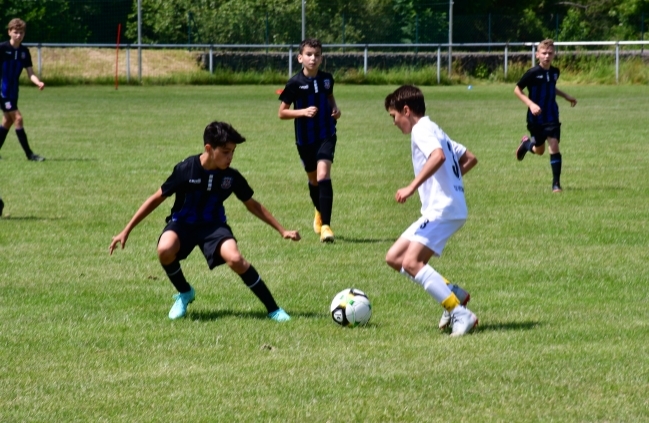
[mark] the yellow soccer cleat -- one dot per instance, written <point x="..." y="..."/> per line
<point x="326" y="234"/>
<point x="317" y="222"/>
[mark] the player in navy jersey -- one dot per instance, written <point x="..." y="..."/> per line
<point x="15" y="57"/>
<point x="543" y="111"/>
<point x="311" y="92"/>
<point x="201" y="184"/>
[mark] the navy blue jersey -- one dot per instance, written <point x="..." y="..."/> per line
<point x="13" y="61"/>
<point x="542" y="87"/>
<point x="200" y="193"/>
<point x="304" y="92"/>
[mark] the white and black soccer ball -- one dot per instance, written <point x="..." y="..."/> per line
<point x="351" y="308"/>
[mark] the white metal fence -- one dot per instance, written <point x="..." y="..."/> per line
<point x="452" y="49"/>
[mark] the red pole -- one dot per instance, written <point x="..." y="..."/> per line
<point x="119" y="29"/>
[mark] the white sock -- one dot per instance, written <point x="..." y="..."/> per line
<point x="433" y="283"/>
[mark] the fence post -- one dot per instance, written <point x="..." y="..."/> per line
<point x="533" y="55"/>
<point x="365" y="61"/>
<point x="128" y="63"/>
<point x="439" y="60"/>
<point x="211" y="59"/>
<point x="617" y="62"/>
<point x="40" y="61"/>
<point x="290" y="62"/>
<point x="506" y="59"/>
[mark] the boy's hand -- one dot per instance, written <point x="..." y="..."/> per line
<point x="572" y="100"/>
<point x="41" y="85"/>
<point x="119" y="238"/>
<point x="293" y="235"/>
<point x="402" y="194"/>
<point x="335" y="113"/>
<point x="535" y="109"/>
<point x="310" y="111"/>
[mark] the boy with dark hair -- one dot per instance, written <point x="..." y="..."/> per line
<point x="439" y="164"/>
<point x="201" y="184"/>
<point x="542" y="109"/>
<point x="311" y="92"/>
<point x="15" y="57"/>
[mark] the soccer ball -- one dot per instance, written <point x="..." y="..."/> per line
<point x="351" y="308"/>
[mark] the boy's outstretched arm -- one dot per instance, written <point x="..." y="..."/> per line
<point x="256" y="208"/>
<point x="433" y="163"/>
<point x="571" y="99"/>
<point x="34" y="79"/>
<point x="285" y="112"/>
<point x="534" y="108"/>
<point x="145" y="209"/>
<point x="335" y="111"/>
<point x="467" y="162"/>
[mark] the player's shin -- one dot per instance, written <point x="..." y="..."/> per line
<point x="176" y="276"/>
<point x="253" y="281"/>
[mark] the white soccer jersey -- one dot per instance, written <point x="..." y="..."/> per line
<point x="442" y="195"/>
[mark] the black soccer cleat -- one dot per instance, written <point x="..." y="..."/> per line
<point x="2" y="206"/>
<point x="36" y="158"/>
<point x="522" y="148"/>
<point x="556" y="187"/>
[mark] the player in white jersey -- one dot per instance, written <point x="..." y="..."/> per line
<point x="439" y="164"/>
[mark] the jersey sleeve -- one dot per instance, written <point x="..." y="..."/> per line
<point x="27" y="61"/>
<point x="242" y="189"/>
<point x="170" y="186"/>
<point x="428" y="139"/>
<point x="289" y="94"/>
<point x="458" y="149"/>
<point x="525" y="80"/>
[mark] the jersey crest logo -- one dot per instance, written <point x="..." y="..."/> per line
<point x="327" y="84"/>
<point x="226" y="182"/>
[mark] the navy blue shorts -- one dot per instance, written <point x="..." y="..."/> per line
<point x="208" y="237"/>
<point x="9" y="104"/>
<point x="311" y="154"/>
<point x="545" y="131"/>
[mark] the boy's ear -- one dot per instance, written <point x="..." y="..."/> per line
<point x="406" y="111"/>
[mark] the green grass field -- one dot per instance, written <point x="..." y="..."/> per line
<point x="559" y="281"/>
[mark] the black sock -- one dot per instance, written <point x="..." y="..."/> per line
<point x="314" y="193"/>
<point x="555" y="163"/>
<point x="253" y="281"/>
<point x="22" y="138"/>
<point x="176" y="276"/>
<point x="326" y="200"/>
<point x="3" y="135"/>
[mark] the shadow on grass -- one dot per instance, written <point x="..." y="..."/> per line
<point x="364" y="240"/>
<point x="508" y="326"/>
<point x="35" y="218"/>
<point x="219" y="314"/>
<point x="72" y="159"/>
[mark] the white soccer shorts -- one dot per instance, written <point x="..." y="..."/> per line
<point x="433" y="234"/>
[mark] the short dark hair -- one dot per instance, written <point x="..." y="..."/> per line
<point x="217" y="134"/>
<point x="311" y="42"/>
<point x="406" y="95"/>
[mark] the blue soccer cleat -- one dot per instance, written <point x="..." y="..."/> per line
<point x="279" y="315"/>
<point x="179" y="309"/>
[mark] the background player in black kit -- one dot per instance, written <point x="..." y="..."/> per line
<point x="311" y="92"/>
<point x="15" y="57"/>
<point x="543" y="111"/>
<point x="201" y="184"/>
